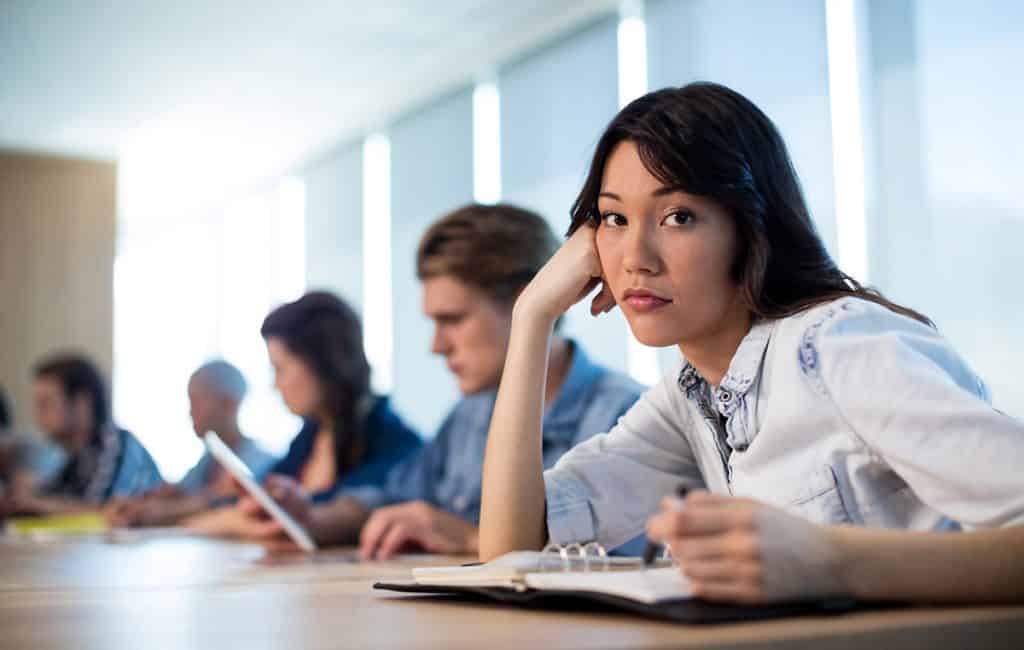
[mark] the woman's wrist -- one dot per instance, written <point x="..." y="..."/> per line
<point x="527" y="313"/>
<point x="849" y="562"/>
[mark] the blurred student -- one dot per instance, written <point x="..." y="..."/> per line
<point x="472" y="264"/>
<point x="808" y="413"/>
<point x="350" y="437"/>
<point x="215" y="393"/>
<point x="102" y="460"/>
<point x="25" y="460"/>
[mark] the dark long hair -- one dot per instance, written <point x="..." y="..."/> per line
<point x="710" y="141"/>
<point x="323" y="331"/>
<point x="78" y="375"/>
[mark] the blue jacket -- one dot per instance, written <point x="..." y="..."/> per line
<point x="388" y="441"/>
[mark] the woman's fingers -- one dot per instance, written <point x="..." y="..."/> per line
<point x="722" y="569"/>
<point x="695" y="520"/>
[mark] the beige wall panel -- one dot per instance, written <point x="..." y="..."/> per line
<point x="57" y="238"/>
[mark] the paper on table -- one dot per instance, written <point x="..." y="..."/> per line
<point x="645" y="585"/>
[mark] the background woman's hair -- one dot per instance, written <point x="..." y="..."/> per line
<point x="710" y="141"/>
<point x="78" y="375"/>
<point x="324" y="332"/>
<point x="494" y="248"/>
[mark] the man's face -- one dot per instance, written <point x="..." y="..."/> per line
<point x="471" y="331"/>
<point x="206" y="407"/>
<point x="57" y="416"/>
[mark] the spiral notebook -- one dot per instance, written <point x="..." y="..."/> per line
<point x="574" y="578"/>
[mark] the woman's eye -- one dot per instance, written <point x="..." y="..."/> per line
<point x="612" y="219"/>
<point x="681" y="218"/>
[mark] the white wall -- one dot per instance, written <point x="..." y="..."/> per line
<point x="431" y="174"/>
<point x="334" y="223"/>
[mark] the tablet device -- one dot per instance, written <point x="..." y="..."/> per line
<point x="238" y="469"/>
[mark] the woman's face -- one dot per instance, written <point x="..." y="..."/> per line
<point x="298" y="385"/>
<point x="471" y="331"/>
<point x="666" y="255"/>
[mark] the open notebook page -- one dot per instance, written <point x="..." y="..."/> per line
<point x="648" y="586"/>
<point x="509" y="569"/>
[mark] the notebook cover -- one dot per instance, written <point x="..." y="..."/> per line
<point x="687" y="610"/>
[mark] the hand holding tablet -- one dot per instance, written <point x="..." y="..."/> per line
<point x="234" y="465"/>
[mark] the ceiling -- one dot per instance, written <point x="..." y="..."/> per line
<point x="281" y="81"/>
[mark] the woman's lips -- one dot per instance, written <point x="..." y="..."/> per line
<point x="644" y="301"/>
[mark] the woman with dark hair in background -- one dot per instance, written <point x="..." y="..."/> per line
<point x="350" y="437"/>
<point x="798" y="387"/>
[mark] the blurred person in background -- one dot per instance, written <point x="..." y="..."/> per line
<point x="350" y="437"/>
<point x="72" y="409"/>
<point x="472" y="264"/>
<point x="24" y="460"/>
<point x="215" y="393"/>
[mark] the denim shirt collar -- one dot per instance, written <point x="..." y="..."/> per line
<point x="743" y="369"/>
<point x="562" y="418"/>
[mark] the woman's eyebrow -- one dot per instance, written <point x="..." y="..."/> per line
<point x="665" y="190"/>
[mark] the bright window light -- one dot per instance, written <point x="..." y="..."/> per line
<point x="632" y="52"/>
<point x="377" y="312"/>
<point x="846" y="96"/>
<point x="201" y="284"/>
<point x="486" y="143"/>
<point x="291" y="239"/>
<point x="642" y="361"/>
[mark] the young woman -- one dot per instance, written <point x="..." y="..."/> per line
<point x="350" y="438"/>
<point x="799" y="388"/>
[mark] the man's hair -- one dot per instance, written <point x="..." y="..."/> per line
<point x="222" y="378"/>
<point x="77" y="375"/>
<point x="494" y="248"/>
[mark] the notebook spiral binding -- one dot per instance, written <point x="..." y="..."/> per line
<point x="589" y="554"/>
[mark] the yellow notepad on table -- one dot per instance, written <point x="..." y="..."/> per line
<point x="67" y="524"/>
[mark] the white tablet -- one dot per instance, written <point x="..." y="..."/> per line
<point x="233" y="464"/>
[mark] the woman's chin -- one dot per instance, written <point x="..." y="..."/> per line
<point x="650" y="337"/>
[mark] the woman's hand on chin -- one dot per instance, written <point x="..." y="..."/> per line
<point x="567" y="278"/>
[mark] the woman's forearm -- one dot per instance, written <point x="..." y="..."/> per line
<point x="512" y="500"/>
<point x="976" y="567"/>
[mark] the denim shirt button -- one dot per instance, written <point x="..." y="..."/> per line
<point x="460" y="502"/>
<point x="725" y="396"/>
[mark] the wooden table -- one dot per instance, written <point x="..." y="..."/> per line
<point x="153" y="591"/>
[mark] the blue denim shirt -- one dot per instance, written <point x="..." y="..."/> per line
<point x="844" y="413"/>
<point x="114" y="463"/>
<point x="447" y="472"/>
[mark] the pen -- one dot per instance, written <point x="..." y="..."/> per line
<point x="651" y="551"/>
